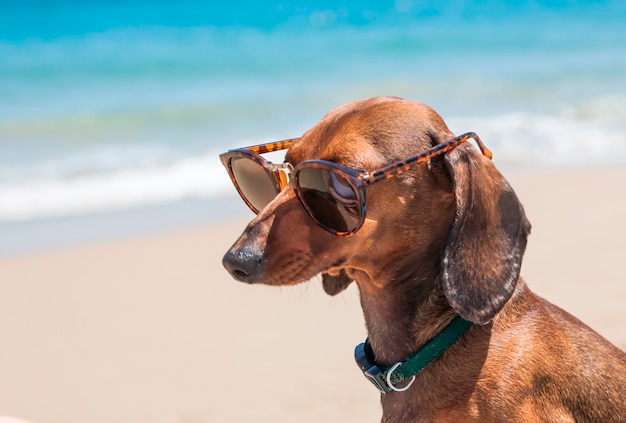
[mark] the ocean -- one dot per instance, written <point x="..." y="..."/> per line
<point x="118" y="105"/>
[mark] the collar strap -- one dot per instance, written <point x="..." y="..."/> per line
<point x="386" y="378"/>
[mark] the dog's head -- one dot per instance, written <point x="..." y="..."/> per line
<point x="456" y="216"/>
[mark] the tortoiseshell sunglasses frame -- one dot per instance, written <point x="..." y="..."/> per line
<point x="285" y="173"/>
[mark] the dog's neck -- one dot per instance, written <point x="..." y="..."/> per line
<point x="401" y="316"/>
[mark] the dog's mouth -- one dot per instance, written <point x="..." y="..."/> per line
<point x="288" y="269"/>
<point x="333" y="271"/>
<point x="297" y="267"/>
<point x="336" y="268"/>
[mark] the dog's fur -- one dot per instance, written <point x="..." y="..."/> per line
<point x="443" y="239"/>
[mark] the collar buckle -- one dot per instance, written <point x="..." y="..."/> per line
<point x="381" y="378"/>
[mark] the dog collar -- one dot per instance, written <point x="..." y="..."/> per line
<point x="386" y="378"/>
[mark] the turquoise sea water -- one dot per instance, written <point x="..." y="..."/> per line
<point x="113" y="105"/>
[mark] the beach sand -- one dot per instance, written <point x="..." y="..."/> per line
<point x="152" y="329"/>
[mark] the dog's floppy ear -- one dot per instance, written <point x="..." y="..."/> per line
<point x="333" y="285"/>
<point x="483" y="254"/>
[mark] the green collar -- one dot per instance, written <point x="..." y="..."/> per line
<point x="386" y="379"/>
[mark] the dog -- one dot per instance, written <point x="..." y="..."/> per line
<point x="434" y="242"/>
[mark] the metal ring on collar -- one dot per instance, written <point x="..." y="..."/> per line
<point x="393" y="388"/>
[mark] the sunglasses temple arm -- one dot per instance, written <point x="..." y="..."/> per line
<point x="405" y="165"/>
<point x="437" y="150"/>
<point x="271" y="147"/>
<point x="486" y="152"/>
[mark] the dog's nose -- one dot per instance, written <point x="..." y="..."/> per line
<point x="243" y="265"/>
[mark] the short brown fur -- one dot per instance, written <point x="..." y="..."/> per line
<point x="438" y="241"/>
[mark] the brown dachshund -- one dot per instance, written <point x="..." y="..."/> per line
<point x="455" y="335"/>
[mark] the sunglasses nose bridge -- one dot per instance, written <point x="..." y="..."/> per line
<point x="282" y="175"/>
<point x="281" y="179"/>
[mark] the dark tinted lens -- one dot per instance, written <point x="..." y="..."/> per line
<point x="330" y="198"/>
<point x="255" y="183"/>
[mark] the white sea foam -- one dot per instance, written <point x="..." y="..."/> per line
<point x="590" y="134"/>
<point x="104" y="180"/>
<point x="125" y="187"/>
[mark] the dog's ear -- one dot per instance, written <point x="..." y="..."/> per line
<point x="483" y="253"/>
<point x="333" y="285"/>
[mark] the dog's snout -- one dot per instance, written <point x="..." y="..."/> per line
<point x="243" y="265"/>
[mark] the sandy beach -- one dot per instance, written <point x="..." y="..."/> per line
<point x="151" y="328"/>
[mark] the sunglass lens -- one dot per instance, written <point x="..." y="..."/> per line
<point x="330" y="198"/>
<point x="255" y="183"/>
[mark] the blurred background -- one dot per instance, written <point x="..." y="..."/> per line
<point x="123" y="105"/>
<point x="112" y="116"/>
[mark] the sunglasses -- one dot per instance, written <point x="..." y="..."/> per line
<point x="332" y="195"/>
